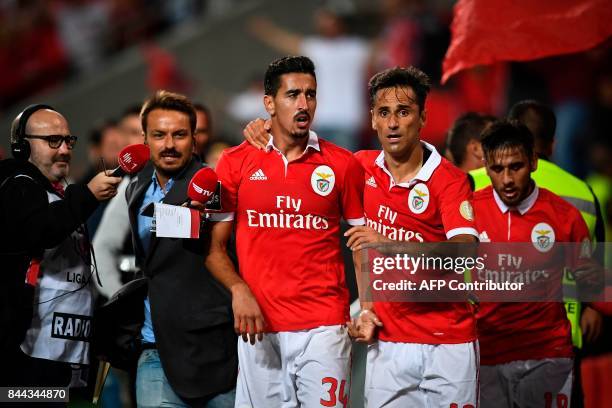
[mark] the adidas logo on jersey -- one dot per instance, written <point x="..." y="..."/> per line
<point x="371" y="182"/>
<point x="484" y="237"/>
<point x="258" y="175"/>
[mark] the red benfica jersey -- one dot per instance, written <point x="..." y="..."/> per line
<point x="433" y="207"/>
<point x="287" y="217"/>
<point x="526" y="331"/>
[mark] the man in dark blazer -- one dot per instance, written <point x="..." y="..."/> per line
<point x="189" y="346"/>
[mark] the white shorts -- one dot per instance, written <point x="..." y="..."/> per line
<point x="528" y="383"/>
<point x="422" y="375"/>
<point x="307" y="368"/>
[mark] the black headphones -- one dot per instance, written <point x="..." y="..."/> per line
<point x="20" y="147"/>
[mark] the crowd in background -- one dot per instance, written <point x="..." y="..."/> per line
<point x="43" y="43"/>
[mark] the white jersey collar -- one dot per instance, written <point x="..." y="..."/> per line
<point x="313" y="143"/>
<point x="424" y="174"/>
<point x="523" y="206"/>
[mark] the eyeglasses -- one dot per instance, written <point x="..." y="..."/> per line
<point x="55" y="141"/>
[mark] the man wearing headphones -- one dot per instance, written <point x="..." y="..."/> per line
<point x="46" y="291"/>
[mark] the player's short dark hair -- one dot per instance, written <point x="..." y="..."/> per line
<point x="399" y="76"/>
<point x="168" y="101"/>
<point x="465" y="128"/>
<point x="539" y="118"/>
<point x="507" y="134"/>
<point x="286" y="65"/>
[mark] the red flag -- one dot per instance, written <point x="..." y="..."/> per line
<point x="487" y="31"/>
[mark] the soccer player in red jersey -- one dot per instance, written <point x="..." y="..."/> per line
<point x="426" y="354"/>
<point x="286" y="202"/>
<point x="526" y="348"/>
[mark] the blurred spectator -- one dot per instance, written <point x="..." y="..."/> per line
<point x="570" y="81"/>
<point x="248" y="104"/>
<point x="177" y="11"/>
<point x="32" y="56"/>
<point x="341" y="65"/>
<point x="203" y="131"/>
<point x="115" y="255"/>
<point x="41" y="41"/>
<point x="401" y="41"/>
<point x="84" y="27"/>
<point x="463" y="146"/>
<point x="112" y="242"/>
<point x="164" y="71"/>
<point x="129" y="125"/>
<point x="111" y="143"/>
<point x="105" y="143"/>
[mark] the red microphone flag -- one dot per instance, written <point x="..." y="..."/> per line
<point x="488" y="31"/>
<point x="133" y="158"/>
<point x="202" y="185"/>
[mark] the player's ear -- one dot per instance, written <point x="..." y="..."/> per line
<point x="475" y="149"/>
<point x="269" y="105"/>
<point x="485" y="164"/>
<point x="534" y="162"/>
<point x="372" y="116"/>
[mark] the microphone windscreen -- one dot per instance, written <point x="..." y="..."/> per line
<point x="202" y="185"/>
<point x="133" y="158"/>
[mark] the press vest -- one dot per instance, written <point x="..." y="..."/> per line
<point x="61" y="325"/>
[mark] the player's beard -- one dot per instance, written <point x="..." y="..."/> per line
<point x="300" y="134"/>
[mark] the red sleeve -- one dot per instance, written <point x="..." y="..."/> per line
<point x="455" y="204"/>
<point x="352" y="193"/>
<point x="360" y="157"/>
<point x="230" y="180"/>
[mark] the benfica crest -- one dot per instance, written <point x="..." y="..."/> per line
<point x="418" y="199"/>
<point x="322" y="180"/>
<point x="322" y="183"/>
<point x="543" y="237"/>
<point x="417" y="202"/>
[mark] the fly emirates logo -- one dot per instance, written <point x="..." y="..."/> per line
<point x="385" y="216"/>
<point x="287" y="216"/>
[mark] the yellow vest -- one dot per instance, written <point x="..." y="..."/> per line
<point x="576" y="192"/>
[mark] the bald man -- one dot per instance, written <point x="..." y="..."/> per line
<point x="46" y="321"/>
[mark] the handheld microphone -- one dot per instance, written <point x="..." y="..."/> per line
<point x="132" y="159"/>
<point x="202" y="185"/>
